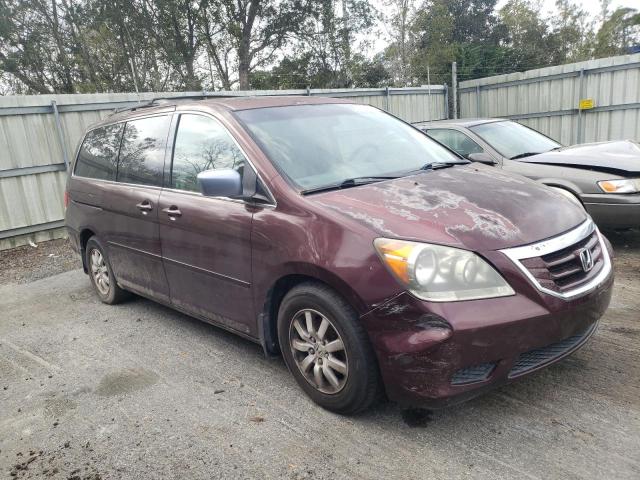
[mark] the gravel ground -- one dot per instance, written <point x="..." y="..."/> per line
<point x="89" y="391"/>
<point x="27" y="264"/>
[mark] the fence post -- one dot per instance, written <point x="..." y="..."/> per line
<point x="446" y="101"/>
<point x="454" y="86"/>
<point x="429" y="87"/>
<point x="580" y="126"/>
<point x="63" y="145"/>
<point x="478" y="104"/>
<point x="386" y="93"/>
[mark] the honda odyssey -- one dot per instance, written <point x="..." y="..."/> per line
<point x="376" y="261"/>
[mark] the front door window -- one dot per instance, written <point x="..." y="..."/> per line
<point x="455" y="140"/>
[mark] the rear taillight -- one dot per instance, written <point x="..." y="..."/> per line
<point x="66" y="199"/>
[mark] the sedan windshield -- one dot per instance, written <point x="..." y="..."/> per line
<point x="512" y="140"/>
<point x="341" y="145"/>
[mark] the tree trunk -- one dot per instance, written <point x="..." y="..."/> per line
<point x="67" y="82"/>
<point x="244" y="51"/>
<point x="243" y="74"/>
<point x="244" y="60"/>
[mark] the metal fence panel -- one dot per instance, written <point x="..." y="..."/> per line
<point x="33" y="146"/>
<point x="547" y="99"/>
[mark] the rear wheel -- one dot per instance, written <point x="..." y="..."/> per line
<point x="327" y="350"/>
<point x="101" y="274"/>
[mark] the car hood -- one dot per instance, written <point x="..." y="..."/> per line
<point x="621" y="157"/>
<point x="472" y="206"/>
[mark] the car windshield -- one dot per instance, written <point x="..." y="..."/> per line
<point x="512" y="140"/>
<point x="318" y="146"/>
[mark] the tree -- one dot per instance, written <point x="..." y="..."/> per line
<point x="397" y="53"/>
<point x="172" y="23"/>
<point x="329" y="38"/>
<point x="77" y="46"/>
<point x="572" y="34"/>
<point x="118" y="48"/>
<point x="466" y="31"/>
<point x="619" y="31"/>
<point x="527" y="35"/>
<point x="321" y="55"/>
<point x="370" y="73"/>
<point x="255" y="30"/>
<point x="34" y="45"/>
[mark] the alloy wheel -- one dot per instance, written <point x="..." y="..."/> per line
<point x="99" y="271"/>
<point x="318" y="351"/>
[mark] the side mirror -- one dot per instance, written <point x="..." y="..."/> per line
<point x="481" y="157"/>
<point x="220" y="183"/>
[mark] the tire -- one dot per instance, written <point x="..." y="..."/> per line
<point x="346" y="380"/>
<point x="102" y="278"/>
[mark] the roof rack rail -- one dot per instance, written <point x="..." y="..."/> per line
<point x="157" y="101"/>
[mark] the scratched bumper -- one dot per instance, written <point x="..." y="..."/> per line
<point x="421" y="346"/>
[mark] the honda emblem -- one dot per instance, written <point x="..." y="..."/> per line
<point x="586" y="259"/>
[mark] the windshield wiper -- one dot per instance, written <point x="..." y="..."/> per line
<point x="349" y="182"/>
<point x="436" y="166"/>
<point x="523" y="155"/>
<point x="439" y="165"/>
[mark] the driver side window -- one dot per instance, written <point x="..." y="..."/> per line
<point x="202" y="144"/>
<point x="456" y="141"/>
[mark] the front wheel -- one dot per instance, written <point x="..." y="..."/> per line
<point x="327" y="350"/>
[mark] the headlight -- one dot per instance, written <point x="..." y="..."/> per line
<point x="441" y="274"/>
<point x="624" y="185"/>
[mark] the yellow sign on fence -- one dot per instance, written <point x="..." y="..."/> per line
<point x="587" y="104"/>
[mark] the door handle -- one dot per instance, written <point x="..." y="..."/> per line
<point x="145" y="206"/>
<point x="172" y="211"/>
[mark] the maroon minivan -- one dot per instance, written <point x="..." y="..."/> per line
<point x="375" y="260"/>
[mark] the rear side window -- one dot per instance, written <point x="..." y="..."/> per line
<point x="98" y="154"/>
<point x="142" y="152"/>
<point x="202" y="144"/>
<point x="456" y="141"/>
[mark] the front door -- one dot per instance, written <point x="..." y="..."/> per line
<point x="206" y="242"/>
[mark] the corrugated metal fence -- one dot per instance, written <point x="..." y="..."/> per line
<point x="548" y="99"/>
<point x="39" y="134"/>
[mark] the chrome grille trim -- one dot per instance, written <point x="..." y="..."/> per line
<point x="554" y="244"/>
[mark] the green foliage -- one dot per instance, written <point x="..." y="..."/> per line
<point x="78" y="46"/>
<point x="618" y="33"/>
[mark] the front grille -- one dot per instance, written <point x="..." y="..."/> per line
<point x="535" y="358"/>
<point x="561" y="271"/>
<point x="475" y="373"/>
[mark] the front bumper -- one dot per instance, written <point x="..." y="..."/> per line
<point x="613" y="211"/>
<point x="428" y="352"/>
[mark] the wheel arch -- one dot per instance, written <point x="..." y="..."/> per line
<point x="268" y="316"/>
<point x="568" y="187"/>
<point x="85" y="235"/>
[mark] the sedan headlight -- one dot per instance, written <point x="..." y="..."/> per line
<point x="623" y="185"/>
<point x="441" y="274"/>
